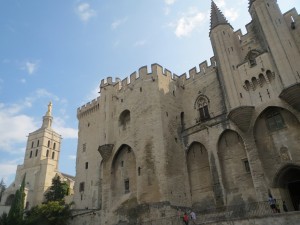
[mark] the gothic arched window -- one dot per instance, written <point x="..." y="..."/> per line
<point x="202" y="106"/>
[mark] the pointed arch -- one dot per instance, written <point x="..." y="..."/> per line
<point x="200" y="178"/>
<point x="235" y="167"/>
<point x="254" y="83"/>
<point x="262" y="80"/>
<point x="277" y="136"/>
<point x="123" y="173"/>
<point x="202" y="105"/>
<point x="124" y="119"/>
<point x="287" y="180"/>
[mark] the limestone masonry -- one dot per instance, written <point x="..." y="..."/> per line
<point x="40" y="166"/>
<point x="227" y="133"/>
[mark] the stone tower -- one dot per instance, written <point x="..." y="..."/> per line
<point x="226" y="134"/>
<point x="278" y="35"/>
<point x="40" y="163"/>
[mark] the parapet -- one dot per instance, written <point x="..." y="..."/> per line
<point x="157" y="71"/>
<point x="88" y="108"/>
<point x="143" y="73"/>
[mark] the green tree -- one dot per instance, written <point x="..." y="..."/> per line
<point x="50" y="213"/>
<point x="57" y="191"/>
<point x="2" y="188"/>
<point x="3" y="219"/>
<point x="15" y="214"/>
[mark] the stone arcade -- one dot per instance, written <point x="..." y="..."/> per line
<point x="226" y="134"/>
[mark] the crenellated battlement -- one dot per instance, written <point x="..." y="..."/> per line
<point x="155" y="73"/>
<point x="88" y="108"/>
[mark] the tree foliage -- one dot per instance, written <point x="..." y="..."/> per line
<point x="15" y="214"/>
<point x="50" y="213"/>
<point x="53" y="211"/>
<point x="3" y="219"/>
<point x="57" y="191"/>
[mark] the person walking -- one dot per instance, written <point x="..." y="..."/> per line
<point x="193" y="217"/>
<point x="186" y="218"/>
<point x="272" y="204"/>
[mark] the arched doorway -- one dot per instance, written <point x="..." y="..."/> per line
<point x="123" y="173"/>
<point x="288" y="182"/>
<point x="277" y="138"/>
<point x="199" y="176"/>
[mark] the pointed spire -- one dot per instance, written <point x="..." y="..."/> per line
<point x="250" y="2"/>
<point x="216" y="16"/>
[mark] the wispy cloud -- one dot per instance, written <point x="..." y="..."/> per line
<point x="30" y="66"/>
<point x="170" y="2"/>
<point x="15" y="124"/>
<point x="8" y="168"/>
<point x="118" y="23"/>
<point x="230" y="13"/>
<point x="94" y="93"/>
<point x="85" y="12"/>
<point x="72" y="157"/>
<point x="59" y="126"/>
<point x="139" y="43"/>
<point x="189" y="22"/>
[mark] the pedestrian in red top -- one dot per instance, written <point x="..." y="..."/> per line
<point x="186" y="219"/>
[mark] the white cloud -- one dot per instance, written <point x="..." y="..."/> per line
<point x="13" y="127"/>
<point x="30" y="66"/>
<point x="60" y="127"/>
<point x="8" y="170"/>
<point x="220" y="3"/>
<point x="170" y="2"/>
<point x="72" y="157"/>
<point x="85" y="12"/>
<point x="139" y="43"/>
<point x="93" y="94"/>
<point x="189" y="22"/>
<point x="118" y="22"/>
<point x="231" y="14"/>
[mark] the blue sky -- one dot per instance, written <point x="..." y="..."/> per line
<point x="58" y="51"/>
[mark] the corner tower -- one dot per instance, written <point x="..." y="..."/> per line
<point x="227" y="52"/>
<point x="276" y="36"/>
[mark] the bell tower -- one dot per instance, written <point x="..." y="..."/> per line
<point x="40" y="162"/>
